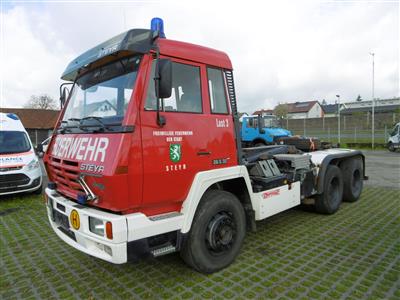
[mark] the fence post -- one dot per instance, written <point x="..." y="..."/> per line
<point x="344" y="122"/>
<point x="355" y="134"/>
<point x="385" y="137"/>
<point x="329" y="134"/>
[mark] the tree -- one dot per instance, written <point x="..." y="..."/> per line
<point x="359" y="98"/>
<point x="281" y="111"/>
<point x="324" y="102"/>
<point x="42" y="101"/>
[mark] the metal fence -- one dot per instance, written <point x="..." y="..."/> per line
<point x="353" y="128"/>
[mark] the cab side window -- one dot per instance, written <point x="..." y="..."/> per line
<point x="216" y="88"/>
<point x="186" y="95"/>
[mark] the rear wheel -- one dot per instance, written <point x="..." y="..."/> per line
<point x="329" y="201"/>
<point x="217" y="232"/>
<point x="352" y="170"/>
<point x="259" y="144"/>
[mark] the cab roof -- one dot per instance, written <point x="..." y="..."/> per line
<point x="143" y="41"/>
<point x="194" y="53"/>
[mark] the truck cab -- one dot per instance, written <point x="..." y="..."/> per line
<point x="262" y="130"/>
<point x="394" y="138"/>
<point x="146" y="157"/>
<point x="19" y="166"/>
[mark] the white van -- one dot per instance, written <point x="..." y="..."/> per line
<point x="394" y="138"/>
<point x="19" y="166"/>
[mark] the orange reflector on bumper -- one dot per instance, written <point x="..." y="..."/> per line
<point x="109" y="232"/>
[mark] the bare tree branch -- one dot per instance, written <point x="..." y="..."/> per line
<point x="43" y="101"/>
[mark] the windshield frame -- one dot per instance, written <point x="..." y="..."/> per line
<point x="112" y="123"/>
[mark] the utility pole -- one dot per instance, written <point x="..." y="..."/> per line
<point x="373" y="99"/>
<point x="338" y="120"/>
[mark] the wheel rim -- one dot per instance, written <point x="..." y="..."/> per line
<point x="221" y="233"/>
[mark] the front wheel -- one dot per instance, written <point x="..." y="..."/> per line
<point x="217" y="232"/>
<point x="391" y="147"/>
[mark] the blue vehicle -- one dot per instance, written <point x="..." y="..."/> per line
<point x="261" y="131"/>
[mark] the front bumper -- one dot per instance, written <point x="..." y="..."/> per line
<point x="59" y="210"/>
<point x="34" y="183"/>
<point x="130" y="232"/>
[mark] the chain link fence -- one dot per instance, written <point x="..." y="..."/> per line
<point x="353" y="128"/>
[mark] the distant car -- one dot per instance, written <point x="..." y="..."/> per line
<point x="41" y="150"/>
<point x="19" y="166"/>
<point x="394" y="139"/>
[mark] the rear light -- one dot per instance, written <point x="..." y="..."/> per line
<point x="96" y="226"/>
<point x="109" y="232"/>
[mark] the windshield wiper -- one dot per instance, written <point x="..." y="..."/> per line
<point x="98" y="120"/>
<point x="81" y="126"/>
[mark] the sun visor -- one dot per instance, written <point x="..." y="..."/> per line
<point x="134" y="40"/>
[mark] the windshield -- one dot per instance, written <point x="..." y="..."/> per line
<point x="102" y="94"/>
<point x="270" y="121"/>
<point x="14" y="142"/>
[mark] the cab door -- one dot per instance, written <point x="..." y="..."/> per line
<point x="175" y="152"/>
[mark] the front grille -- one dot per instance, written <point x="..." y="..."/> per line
<point x="65" y="174"/>
<point x="13" y="180"/>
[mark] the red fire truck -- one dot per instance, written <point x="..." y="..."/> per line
<point x="146" y="157"/>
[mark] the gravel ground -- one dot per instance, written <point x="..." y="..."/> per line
<point x="297" y="254"/>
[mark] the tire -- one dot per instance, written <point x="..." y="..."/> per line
<point x="259" y="144"/>
<point x="217" y="232"/>
<point x="391" y="147"/>
<point x="329" y="201"/>
<point x="352" y="170"/>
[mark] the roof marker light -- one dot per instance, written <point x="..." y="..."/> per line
<point x="157" y="24"/>
<point x="12" y="116"/>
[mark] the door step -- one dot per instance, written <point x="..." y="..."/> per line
<point x="163" y="250"/>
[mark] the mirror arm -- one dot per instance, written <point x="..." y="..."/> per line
<point x="160" y="119"/>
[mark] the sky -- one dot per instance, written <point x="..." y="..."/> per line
<point x="281" y="51"/>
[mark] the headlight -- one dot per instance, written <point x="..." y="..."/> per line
<point x="34" y="164"/>
<point x="96" y="226"/>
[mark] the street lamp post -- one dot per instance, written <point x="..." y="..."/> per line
<point x="338" y="120"/>
<point x="373" y="99"/>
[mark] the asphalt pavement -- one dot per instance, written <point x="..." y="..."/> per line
<point x="382" y="168"/>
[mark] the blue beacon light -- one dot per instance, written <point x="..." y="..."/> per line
<point x="157" y="24"/>
<point x="82" y="198"/>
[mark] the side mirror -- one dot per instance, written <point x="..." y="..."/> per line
<point x="63" y="96"/>
<point x="164" y="77"/>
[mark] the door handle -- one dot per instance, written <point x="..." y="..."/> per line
<point x="203" y="153"/>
